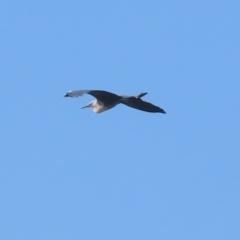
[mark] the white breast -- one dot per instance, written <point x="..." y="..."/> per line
<point x="99" y="107"/>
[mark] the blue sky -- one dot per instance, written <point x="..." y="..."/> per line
<point x="68" y="173"/>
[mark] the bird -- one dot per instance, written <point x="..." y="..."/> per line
<point x="107" y="100"/>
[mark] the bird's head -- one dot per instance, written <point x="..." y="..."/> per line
<point x="91" y="104"/>
<point x="88" y="105"/>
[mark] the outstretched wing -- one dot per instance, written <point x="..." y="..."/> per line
<point x="103" y="96"/>
<point x="76" y="93"/>
<point x="139" y="104"/>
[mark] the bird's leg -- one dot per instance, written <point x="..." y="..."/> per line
<point x="141" y="94"/>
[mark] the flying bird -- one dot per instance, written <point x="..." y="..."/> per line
<point x="106" y="100"/>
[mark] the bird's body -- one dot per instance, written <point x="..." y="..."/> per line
<point x="99" y="107"/>
<point x="106" y="100"/>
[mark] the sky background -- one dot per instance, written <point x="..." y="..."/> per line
<point x="67" y="173"/>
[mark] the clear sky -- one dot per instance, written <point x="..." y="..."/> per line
<point x="68" y="173"/>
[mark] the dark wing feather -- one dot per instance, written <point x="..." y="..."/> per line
<point x="105" y="97"/>
<point x="139" y="104"/>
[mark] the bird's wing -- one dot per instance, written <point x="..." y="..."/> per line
<point x="139" y="104"/>
<point x="76" y="93"/>
<point x="103" y="96"/>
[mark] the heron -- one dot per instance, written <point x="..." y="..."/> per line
<point x="107" y="100"/>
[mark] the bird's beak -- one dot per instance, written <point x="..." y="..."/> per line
<point x="86" y="106"/>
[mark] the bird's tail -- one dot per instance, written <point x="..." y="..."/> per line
<point x="141" y="94"/>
